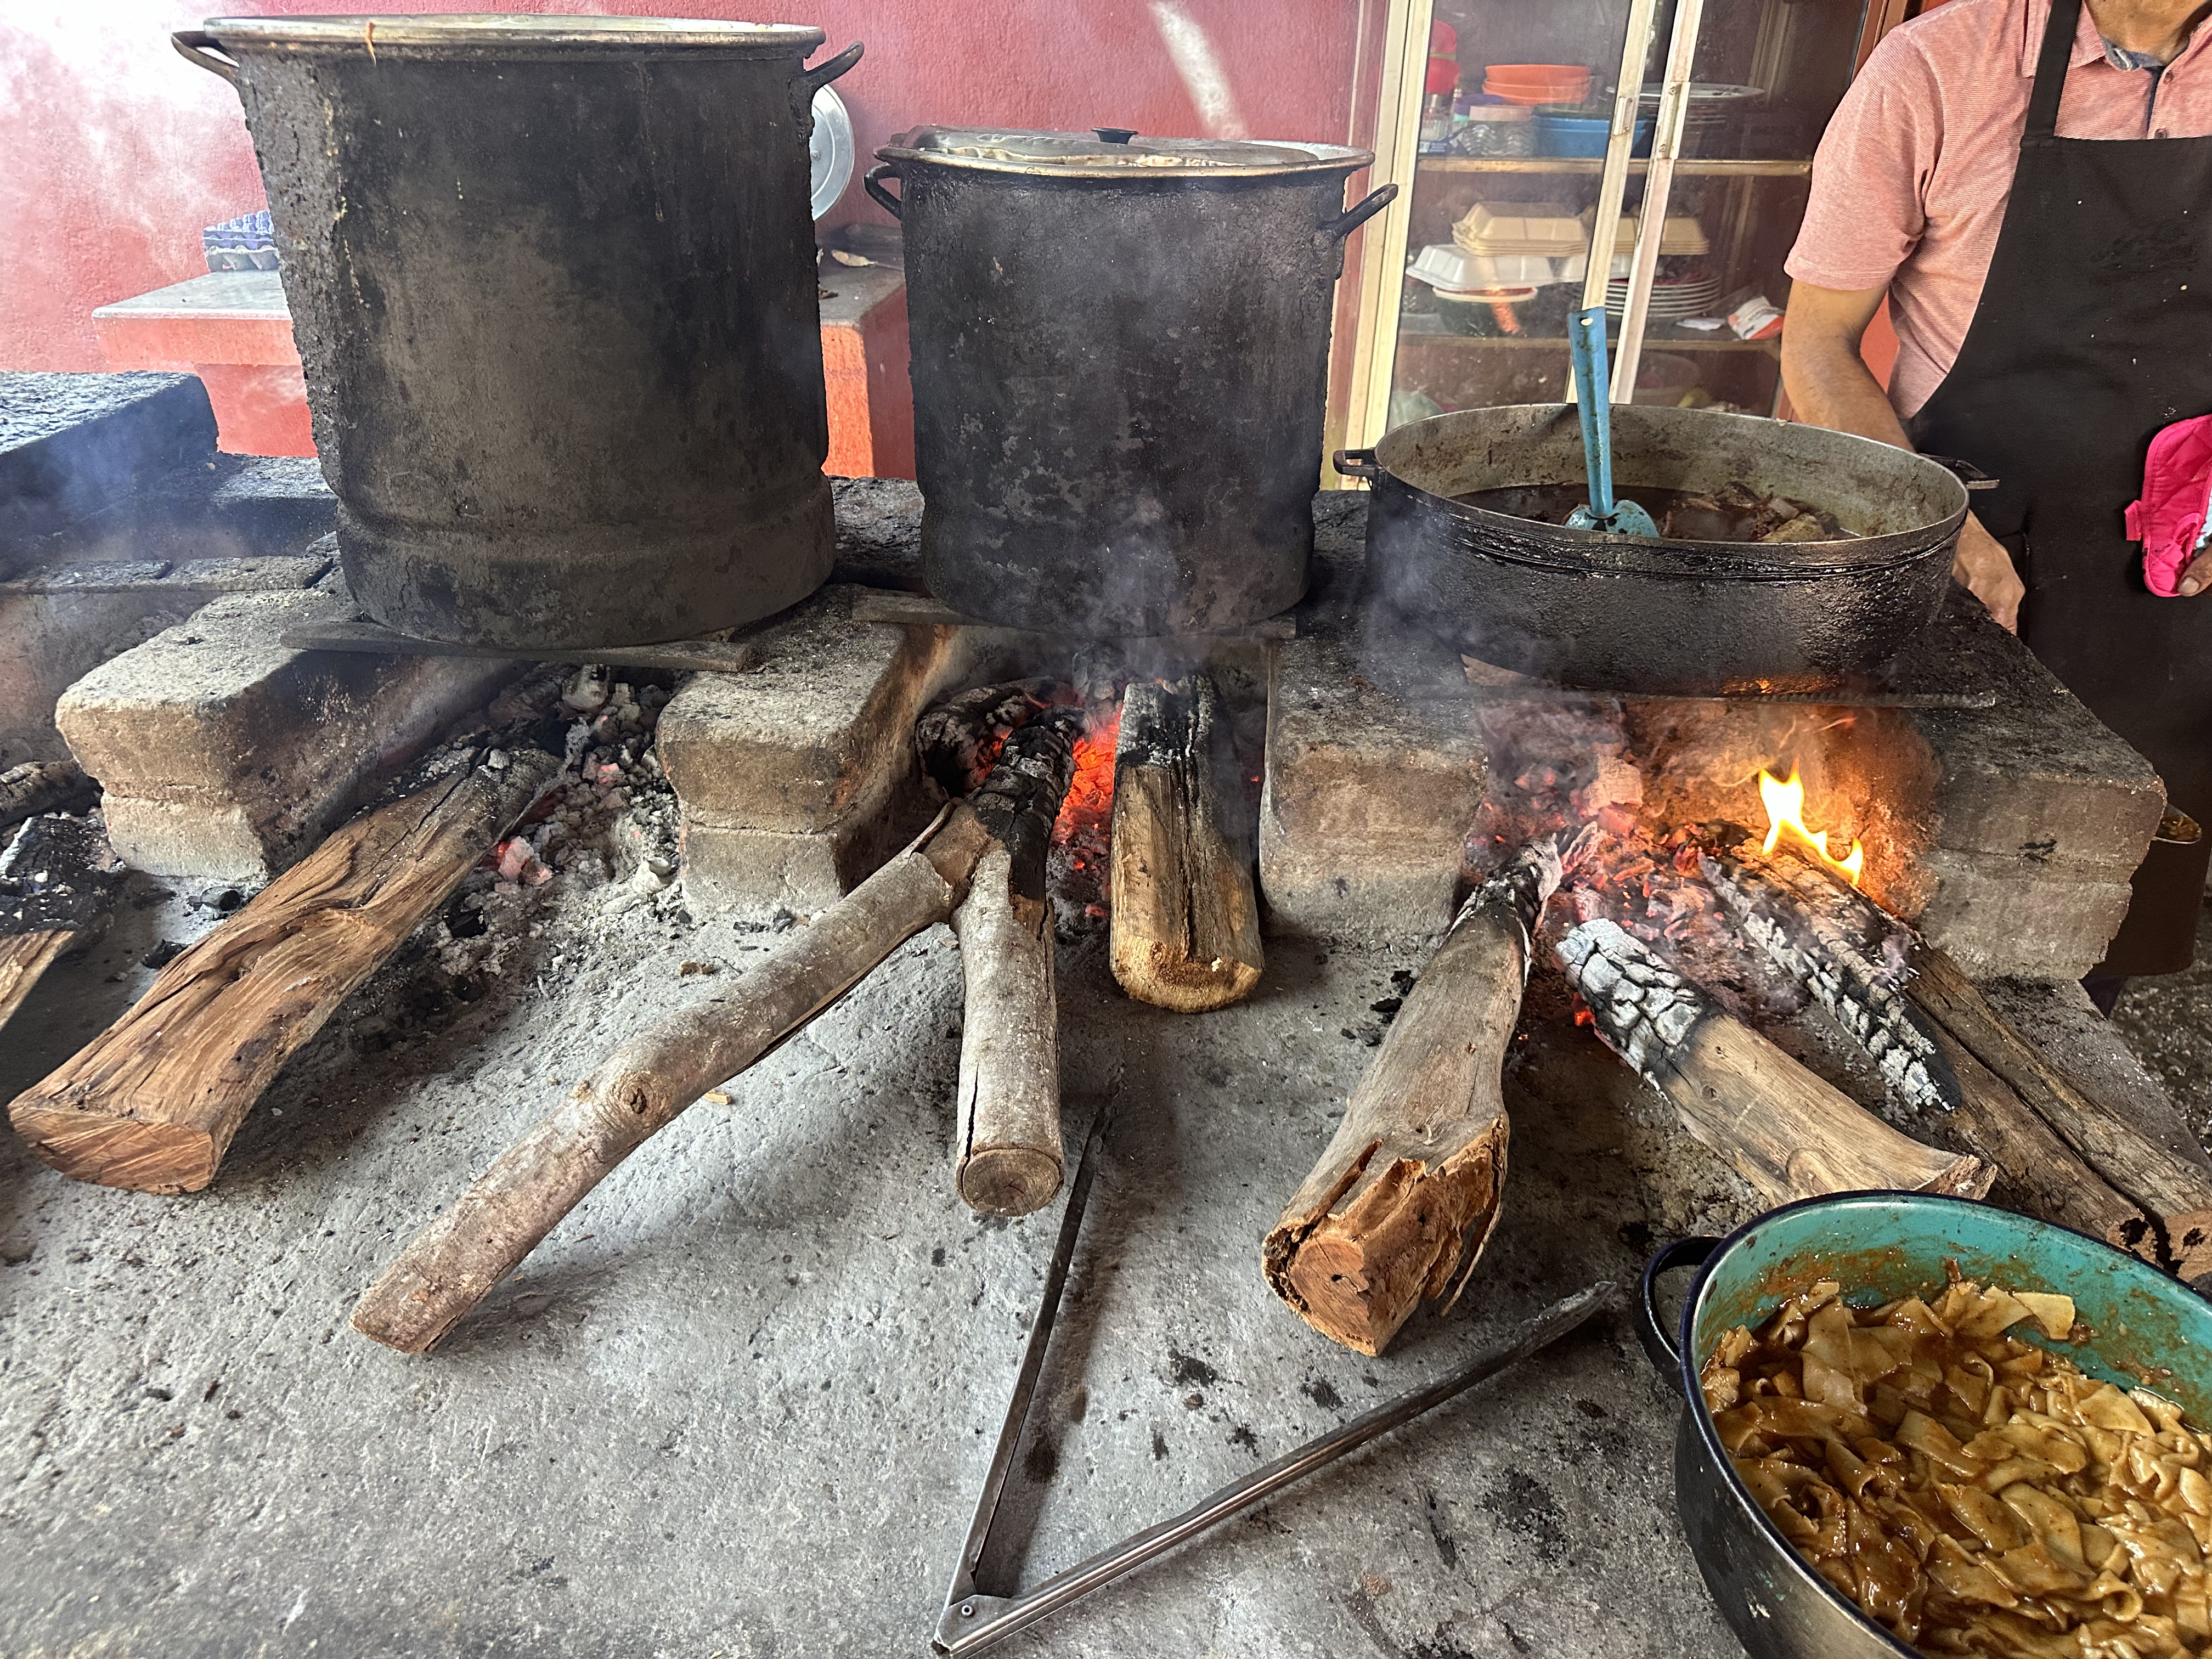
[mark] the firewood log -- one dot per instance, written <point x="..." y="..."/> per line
<point x="40" y="786"/>
<point x="1857" y="959"/>
<point x="1407" y="1192"/>
<point x="152" y="1102"/>
<point x="57" y="878"/>
<point x="1788" y="1133"/>
<point x="1010" y="1160"/>
<point x="1186" y="927"/>
<point x="2174" y="1194"/>
<point x="455" y="1261"/>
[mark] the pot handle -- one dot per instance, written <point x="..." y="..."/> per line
<point x="1351" y="220"/>
<point x="889" y="202"/>
<point x="1966" y="472"/>
<point x="1666" y="1358"/>
<point x="1356" y="464"/>
<point x="830" y="69"/>
<point x="195" y="47"/>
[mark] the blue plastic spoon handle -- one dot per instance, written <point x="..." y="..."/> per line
<point x="1593" y="392"/>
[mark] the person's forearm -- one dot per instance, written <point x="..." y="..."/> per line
<point x="1830" y="384"/>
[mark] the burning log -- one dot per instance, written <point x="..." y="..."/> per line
<point x="39" y="786"/>
<point x="1857" y="959"/>
<point x="1185" y="924"/>
<point x="1407" y="1192"/>
<point x="1849" y="954"/>
<point x="152" y="1102"/>
<point x="1788" y="1133"/>
<point x="454" y="1262"/>
<point x="959" y="739"/>
<point x="1010" y="1159"/>
<point x="57" y="879"/>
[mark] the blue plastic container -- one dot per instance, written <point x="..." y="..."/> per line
<point x="1585" y="135"/>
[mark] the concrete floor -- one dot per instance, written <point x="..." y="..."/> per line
<point x="2168" y="1022"/>
<point x="740" y="1402"/>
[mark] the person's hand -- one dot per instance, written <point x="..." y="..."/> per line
<point x="1983" y="566"/>
<point x="2197" y="577"/>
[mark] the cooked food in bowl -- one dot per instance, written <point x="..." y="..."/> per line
<point x="1972" y="1492"/>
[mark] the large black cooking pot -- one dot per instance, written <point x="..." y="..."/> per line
<point x="553" y="283"/>
<point x="2150" y="1329"/>
<point x="1120" y="361"/>
<point x="1635" y="614"/>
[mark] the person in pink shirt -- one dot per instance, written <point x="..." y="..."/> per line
<point x="2029" y="184"/>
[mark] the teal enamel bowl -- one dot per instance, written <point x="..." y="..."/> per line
<point x="2148" y="1331"/>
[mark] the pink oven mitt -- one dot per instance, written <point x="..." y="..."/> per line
<point x="2170" y="518"/>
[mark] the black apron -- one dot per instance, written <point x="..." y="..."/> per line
<point x="2094" y="330"/>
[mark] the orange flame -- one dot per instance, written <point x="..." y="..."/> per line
<point x="1785" y="810"/>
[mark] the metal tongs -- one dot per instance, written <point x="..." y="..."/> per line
<point x="1594" y="401"/>
<point x="972" y="1621"/>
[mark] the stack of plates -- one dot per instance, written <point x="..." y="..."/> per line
<point x="1671" y="300"/>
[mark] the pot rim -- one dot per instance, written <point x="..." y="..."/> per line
<point x="1693" y="1398"/>
<point x="1584" y="552"/>
<point x="1340" y="160"/>
<point x="372" y="32"/>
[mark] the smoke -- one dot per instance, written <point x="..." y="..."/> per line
<point x="1202" y="74"/>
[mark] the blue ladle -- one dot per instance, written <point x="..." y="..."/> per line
<point x="1586" y="343"/>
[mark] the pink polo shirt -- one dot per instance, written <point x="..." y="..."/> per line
<point x="1910" y="184"/>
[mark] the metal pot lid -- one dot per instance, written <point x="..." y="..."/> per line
<point x="828" y="151"/>
<point x="1114" y="153"/>
<point x="525" y="31"/>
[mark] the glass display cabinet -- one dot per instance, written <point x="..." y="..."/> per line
<point x="1515" y="128"/>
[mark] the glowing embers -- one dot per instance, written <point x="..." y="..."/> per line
<point x="1786" y="812"/>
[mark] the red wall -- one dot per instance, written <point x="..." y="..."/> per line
<point x="117" y="151"/>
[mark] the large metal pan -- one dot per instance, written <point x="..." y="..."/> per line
<point x="1635" y="614"/>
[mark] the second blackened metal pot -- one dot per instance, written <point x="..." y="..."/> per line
<point x="1629" y="613"/>
<point x="553" y="283"/>
<point x="1119" y="360"/>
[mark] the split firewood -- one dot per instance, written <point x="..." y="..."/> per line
<point x="1186" y="927"/>
<point x="152" y="1102"/>
<point x="39" y="786"/>
<point x="2174" y="1194"/>
<point x="1787" y="1131"/>
<point x="454" y="1262"/>
<point x="1010" y="1159"/>
<point x="1857" y="960"/>
<point x="1849" y="954"/>
<point x="958" y="740"/>
<point x="1407" y="1192"/>
<point x="56" y="880"/>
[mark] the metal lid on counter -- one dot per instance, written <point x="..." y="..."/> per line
<point x="1114" y="152"/>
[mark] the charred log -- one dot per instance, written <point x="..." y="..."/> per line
<point x="152" y="1102"/>
<point x="1787" y="1131"/>
<point x="1849" y="954"/>
<point x="1407" y="1192"/>
<point x="959" y="739"/>
<point x="57" y="878"/>
<point x="1186" y="925"/>
<point x="39" y="786"/>
<point x="1010" y="1160"/>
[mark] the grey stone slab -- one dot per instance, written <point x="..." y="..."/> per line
<point x="74" y="445"/>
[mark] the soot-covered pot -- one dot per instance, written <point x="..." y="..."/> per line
<point x="1120" y="362"/>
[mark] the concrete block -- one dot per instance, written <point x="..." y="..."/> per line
<point x="226" y="754"/>
<point x="1367" y="796"/>
<point x="58" y="623"/>
<point x="792" y="775"/>
<point x="1999" y="919"/>
<point x="73" y="445"/>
